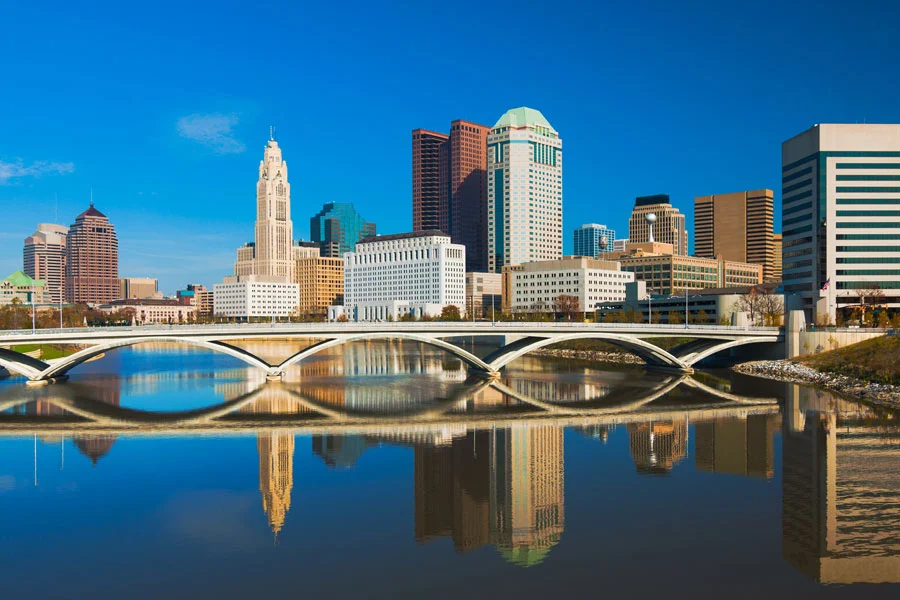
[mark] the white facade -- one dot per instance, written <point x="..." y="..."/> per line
<point x="524" y="190"/>
<point x="153" y="311"/>
<point x="413" y="273"/>
<point x="841" y="217"/>
<point x="245" y="299"/>
<point x="594" y="282"/>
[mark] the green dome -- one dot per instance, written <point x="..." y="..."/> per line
<point x="524" y="117"/>
<point x="525" y="556"/>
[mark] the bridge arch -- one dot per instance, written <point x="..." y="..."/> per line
<point x="693" y="359"/>
<point x="464" y="355"/>
<point x="64" y="365"/>
<point x="652" y="354"/>
<point x="22" y="364"/>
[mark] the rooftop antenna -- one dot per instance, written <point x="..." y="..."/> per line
<point x="271" y="133"/>
<point x="56" y="208"/>
<point x="92" y="196"/>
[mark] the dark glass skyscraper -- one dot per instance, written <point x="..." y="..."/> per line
<point x="338" y="227"/>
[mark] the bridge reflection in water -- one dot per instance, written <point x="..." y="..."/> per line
<point x="489" y="458"/>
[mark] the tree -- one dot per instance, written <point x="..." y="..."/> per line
<point x="762" y="307"/>
<point x="566" y="305"/>
<point x="702" y="318"/>
<point x="771" y="307"/>
<point x="883" y="321"/>
<point x="675" y="317"/>
<point x="450" y="313"/>
<point x="870" y="297"/>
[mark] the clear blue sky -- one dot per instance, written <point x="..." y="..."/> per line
<point x="163" y="108"/>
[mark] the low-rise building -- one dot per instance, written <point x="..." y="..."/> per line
<point x="138" y="287"/>
<point x="249" y="298"/>
<point x="708" y="306"/>
<point x="23" y="288"/>
<point x="152" y="310"/>
<point x="204" y="302"/>
<point x="537" y="286"/>
<point x="484" y="293"/>
<point x="415" y="274"/>
<point x="667" y="273"/>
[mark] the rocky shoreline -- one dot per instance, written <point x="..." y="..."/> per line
<point x="881" y="394"/>
<point x="624" y="358"/>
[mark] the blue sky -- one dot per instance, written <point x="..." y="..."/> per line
<point x="163" y="108"/>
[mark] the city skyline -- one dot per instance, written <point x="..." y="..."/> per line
<point x="191" y="159"/>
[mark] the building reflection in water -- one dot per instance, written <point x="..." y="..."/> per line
<point x="841" y="497"/>
<point x="276" y="476"/>
<point x="656" y="447"/>
<point x="732" y="446"/>
<point x="503" y="487"/>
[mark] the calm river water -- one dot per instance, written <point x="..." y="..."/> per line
<point x="381" y="470"/>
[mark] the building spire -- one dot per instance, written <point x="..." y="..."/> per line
<point x="271" y="133"/>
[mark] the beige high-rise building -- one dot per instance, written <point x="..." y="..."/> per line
<point x="45" y="258"/>
<point x="270" y="258"/>
<point x="669" y="227"/>
<point x="321" y="280"/>
<point x="738" y="227"/>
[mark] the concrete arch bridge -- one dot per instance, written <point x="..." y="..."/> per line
<point x="519" y="338"/>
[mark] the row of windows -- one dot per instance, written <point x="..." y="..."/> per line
<point x="868" y="200"/>
<point x="798" y="208"/>
<point x="796" y="186"/>
<point x="869" y="260"/>
<point x="794" y="220"/>
<point x="868" y="177"/>
<point x="868" y="213"/>
<point x="868" y="249"/>
<point x="894" y="165"/>
<point x="868" y="236"/>
<point x="858" y="285"/>
<point x="796" y="230"/>
<point x="796" y="175"/>
<point x="788" y="199"/>
<point x="882" y="225"/>
<point x="867" y="190"/>
<point x="869" y="272"/>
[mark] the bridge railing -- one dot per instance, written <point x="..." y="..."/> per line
<point x="486" y="326"/>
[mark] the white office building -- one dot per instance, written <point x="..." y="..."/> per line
<point x="390" y="276"/>
<point x="249" y="298"/>
<point x="841" y="218"/>
<point x="535" y="286"/>
<point x="524" y="190"/>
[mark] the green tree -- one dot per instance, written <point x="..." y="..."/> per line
<point x="675" y="317"/>
<point x="702" y="318"/>
<point x="450" y="313"/>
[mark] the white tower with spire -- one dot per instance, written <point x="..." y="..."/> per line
<point x="270" y="258"/>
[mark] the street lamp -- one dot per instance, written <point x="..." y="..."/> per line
<point x="33" y="327"/>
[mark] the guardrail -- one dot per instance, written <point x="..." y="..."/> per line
<point x="382" y="326"/>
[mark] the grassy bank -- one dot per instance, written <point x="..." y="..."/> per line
<point x="875" y="360"/>
<point x="48" y="351"/>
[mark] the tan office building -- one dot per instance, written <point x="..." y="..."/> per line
<point x="776" y="263"/>
<point x="669" y="227"/>
<point x="321" y="280"/>
<point x="138" y="287"/>
<point x="668" y="273"/>
<point x="737" y="227"/>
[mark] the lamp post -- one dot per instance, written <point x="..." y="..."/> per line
<point x="686" y="313"/>
<point x="33" y="318"/>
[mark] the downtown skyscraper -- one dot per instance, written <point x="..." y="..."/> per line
<point x="524" y="190"/>
<point x="92" y="259"/>
<point x="44" y="257"/>
<point x="450" y="186"/>
<point x="270" y="258"/>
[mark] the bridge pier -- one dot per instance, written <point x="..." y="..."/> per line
<point x="47" y="381"/>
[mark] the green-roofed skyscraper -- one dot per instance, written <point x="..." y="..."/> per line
<point x="524" y="190"/>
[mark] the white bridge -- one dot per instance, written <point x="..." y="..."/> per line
<point x="519" y="339"/>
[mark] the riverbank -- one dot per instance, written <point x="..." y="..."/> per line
<point x="881" y="394"/>
<point x="623" y="358"/>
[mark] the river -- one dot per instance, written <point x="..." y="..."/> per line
<point x="382" y="469"/>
